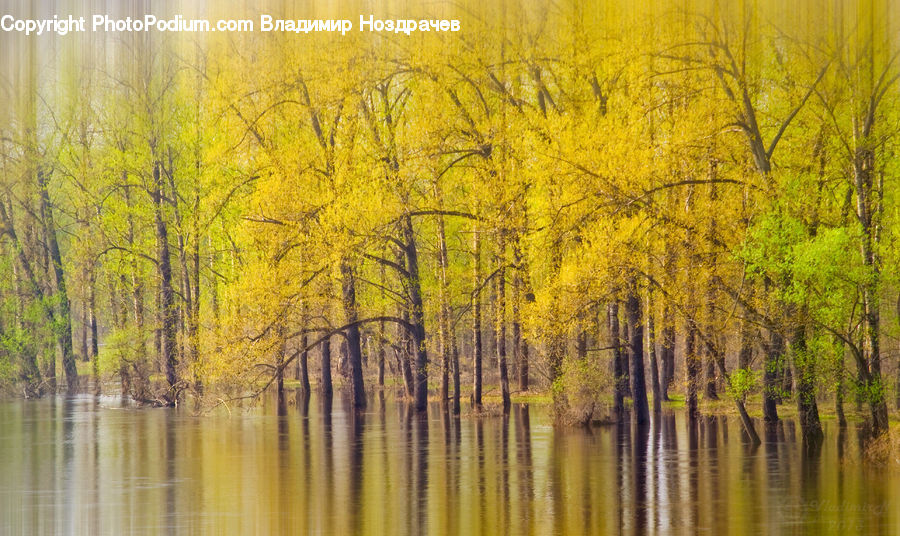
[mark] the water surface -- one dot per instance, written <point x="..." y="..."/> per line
<point x="91" y="466"/>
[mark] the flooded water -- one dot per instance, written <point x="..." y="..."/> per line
<point x="87" y="466"/>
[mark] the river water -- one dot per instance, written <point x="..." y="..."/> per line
<point x="91" y="466"/>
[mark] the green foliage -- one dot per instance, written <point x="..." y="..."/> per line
<point x="743" y="382"/>
<point x="581" y="394"/>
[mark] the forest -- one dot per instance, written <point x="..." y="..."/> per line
<point x="619" y="205"/>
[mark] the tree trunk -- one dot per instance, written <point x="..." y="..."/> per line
<point x="869" y="207"/>
<point x="168" y="335"/>
<point x="279" y="368"/>
<point x="456" y="383"/>
<point x="522" y="288"/>
<point x="381" y="354"/>
<point x="92" y="321"/>
<point x="64" y="318"/>
<point x="636" y="354"/>
<point x="84" y="321"/>
<point x="326" y="388"/>
<point x="612" y="318"/>
<point x="516" y="323"/>
<point x="476" y="321"/>
<point x="807" y="409"/>
<point x="500" y="328"/>
<point x="651" y="345"/>
<point x="746" y="422"/>
<point x="304" y="365"/>
<point x="404" y="356"/>
<point x="839" y="390"/>
<point x="625" y="355"/>
<point x="137" y="290"/>
<point x="444" y="329"/>
<point x="774" y="354"/>
<point x="710" y="389"/>
<point x="692" y="364"/>
<point x="348" y="285"/>
<point x="417" y="315"/>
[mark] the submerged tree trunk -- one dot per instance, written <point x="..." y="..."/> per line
<point x="500" y="328"/>
<point x="456" y="382"/>
<point x="445" y="334"/>
<point x="348" y="286"/>
<point x="381" y="354"/>
<point x="303" y="363"/>
<point x="404" y="353"/>
<point x="63" y="324"/>
<point x="92" y="321"/>
<point x="326" y="388"/>
<point x="522" y="289"/>
<point x="692" y="364"/>
<point x="612" y="319"/>
<point x="871" y="315"/>
<point x="636" y="354"/>
<point x="807" y="409"/>
<point x="774" y="354"/>
<point x="168" y="313"/>
<point x="654" y="366"/>
<point x="417" y="315"/>
<point x="476" y="321"/>
<point x="137" y="301"/>
<point x="746" y="422"/>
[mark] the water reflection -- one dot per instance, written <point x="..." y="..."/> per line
<point x="92" y="466"/>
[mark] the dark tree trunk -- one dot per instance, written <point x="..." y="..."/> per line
<point x="194" y="316"/>
<point x="404" y="356"/>
<point x="348" y="285"/>
<point x="445" y="334"/>
<point x="667" y="353"/>
<point x="556" y="346"/>
<point x="64" y="318"/>
<point x="500" y="324"/>
<point x="303" y="363"/>
<point x="636" y="354"/>
<point x="456" y="383"/>
<point x="654" y="366"/>
<point x="381" y="354"/>
<point x="612" y="318"/>
<point x="807" y="409"/>
<point x="189" y="325"/>
<point x="516" y="323"/>
<point x="279" y="369"/>
<point x="581" y="341"/>
<point x="326" y="388"/>
<point x="522" y="288"/>
<point x="84" y="324"/>
<point x="774" y="354"/>
<point x="745" y="354"/>
<point x="168" y="313"/>
<point x="417" y="315"/>
<point x="137" y="287"/>
<point x="625" y="355"/>
<point x="692" y="362"/>
<point x="476" y="322"/>
<point x="710" y="389"/>
<point x="746" y="422"/>
<point x="839" y="391"/>
<point x="92" y="321"/>
<point x="869" y="200"/>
